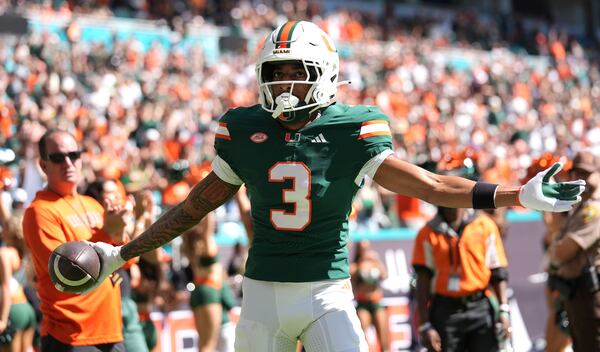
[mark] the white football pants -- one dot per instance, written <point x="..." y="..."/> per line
<point x="319" y="314"/>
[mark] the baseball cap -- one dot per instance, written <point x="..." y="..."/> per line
<point x="587" y="161"/>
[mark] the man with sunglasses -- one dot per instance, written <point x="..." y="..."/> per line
<point x="59" y="214"/>
<point x="575" y="257"/>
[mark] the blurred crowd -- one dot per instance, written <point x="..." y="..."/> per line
<point x="146" y="118"/>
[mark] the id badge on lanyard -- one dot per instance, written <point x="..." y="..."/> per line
<point x="454" y="283"/>
<point x="454" y="277"/>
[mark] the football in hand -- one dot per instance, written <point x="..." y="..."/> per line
<point x="74" y="266"/>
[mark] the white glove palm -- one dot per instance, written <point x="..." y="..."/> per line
<point x="110" y="260"/>
<point x="541" y="193"/>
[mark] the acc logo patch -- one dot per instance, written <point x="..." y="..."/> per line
<point x="589" y="213"/>
<point x="259" y="137"/>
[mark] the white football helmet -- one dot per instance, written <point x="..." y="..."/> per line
<point x="305" y="43"/>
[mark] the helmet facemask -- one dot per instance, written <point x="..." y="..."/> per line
<point x="288" y="106"/>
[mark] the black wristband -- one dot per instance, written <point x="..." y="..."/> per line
<point x="484" y="195"/>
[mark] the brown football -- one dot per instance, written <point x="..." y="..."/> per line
<point x="74" y="267"/>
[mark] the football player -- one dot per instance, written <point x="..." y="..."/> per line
<point x="302" y="157"/>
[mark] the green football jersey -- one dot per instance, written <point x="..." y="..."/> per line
<point x="301" y="185"/>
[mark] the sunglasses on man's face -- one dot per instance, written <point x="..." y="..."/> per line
<point x="58" y="158"/>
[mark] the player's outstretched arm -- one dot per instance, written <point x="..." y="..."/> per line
<point x="207" y="195"/>
<point x="540" y="193"/>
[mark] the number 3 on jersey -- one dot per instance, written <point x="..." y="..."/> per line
<point x="299" y="195"/>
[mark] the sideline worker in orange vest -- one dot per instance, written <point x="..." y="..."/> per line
<point x="457" y="256"/>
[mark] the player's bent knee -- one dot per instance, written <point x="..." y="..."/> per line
<point x="338" y="331"/>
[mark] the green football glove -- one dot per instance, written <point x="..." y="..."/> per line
<point x="542" y="193"/>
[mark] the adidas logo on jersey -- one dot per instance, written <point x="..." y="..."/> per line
<point x="319" y="139"/>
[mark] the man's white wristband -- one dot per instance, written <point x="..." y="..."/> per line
<point x="504" y="308"/>
<point x="424" y="327"/>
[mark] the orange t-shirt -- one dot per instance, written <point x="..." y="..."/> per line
<point x="407" y="207"/>
<point x="470" y="256"/>
<point x="78" y="320"/>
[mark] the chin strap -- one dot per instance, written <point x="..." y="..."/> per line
<point x="278" y="111"/>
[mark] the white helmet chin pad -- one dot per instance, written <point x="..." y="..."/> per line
<point x="287" y="100"/>
<point x="306" y="44"/>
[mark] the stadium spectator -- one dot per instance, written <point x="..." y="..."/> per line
<point x="19" y="197"/>
<point x="59" y="214"/>
<point x="403" y="89"/>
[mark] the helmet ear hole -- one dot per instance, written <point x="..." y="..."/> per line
<point x="319" y="95"/>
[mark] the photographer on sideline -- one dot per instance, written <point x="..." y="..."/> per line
<point x="575" y="258"/>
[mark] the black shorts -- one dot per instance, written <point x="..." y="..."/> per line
<point x="464" y="324"/>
